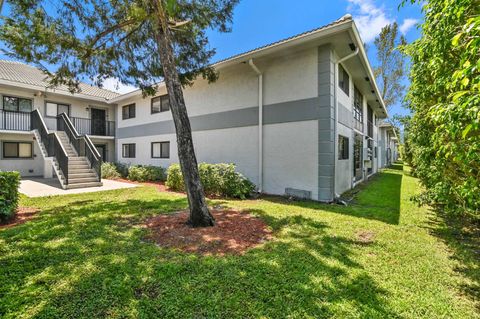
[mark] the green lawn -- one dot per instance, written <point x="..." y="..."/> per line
<point x="84" y="257"/>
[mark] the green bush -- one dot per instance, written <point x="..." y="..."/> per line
<point x="122" y="169"/>
<point x="217" y="179"/>
<point x="142" y="173"/>
<point x="9" y="183"/>
<point x="109" y="170"/>
<point x="175" y="178"/>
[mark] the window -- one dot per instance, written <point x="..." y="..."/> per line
<point x="54" y="109"/>
<point x="358" y="109"/>
<point x="128" y="111"/>
<point x="369" y="121"/>
<point x="161" y="150"/>
<point x="17" y="104"/>
<point x="343" y="80"/>
<point x="17" y="150"/>
<point x="160" y="104"/>
<point x="343" y="147"/>
<point x="128" y="150"/>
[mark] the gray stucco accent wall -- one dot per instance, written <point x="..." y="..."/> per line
<point x="292" y="111"/>
<point x="326" y="123"/>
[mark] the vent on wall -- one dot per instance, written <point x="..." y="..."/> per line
<point x="298" y="193"/>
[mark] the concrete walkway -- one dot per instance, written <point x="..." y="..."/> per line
<point x="38" y="187"/>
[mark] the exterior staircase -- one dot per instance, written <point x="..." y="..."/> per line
<point x="74" y="158"/>
<point x="80" y="175"/>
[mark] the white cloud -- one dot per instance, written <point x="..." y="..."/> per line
<point x="407" y="25"/>
<point x="370" y="19"/>
<point x="113" y="84"/>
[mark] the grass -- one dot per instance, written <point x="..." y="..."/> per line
<point x="84" y="257"/>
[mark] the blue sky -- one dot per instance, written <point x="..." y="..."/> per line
<point x="259" y="22"/>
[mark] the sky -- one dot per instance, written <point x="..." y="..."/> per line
<point x="260" y="22"/>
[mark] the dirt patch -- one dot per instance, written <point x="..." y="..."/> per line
<point x="234" y="233"/>
<point x="365" y="237"/>
<point x="23" y="214"/>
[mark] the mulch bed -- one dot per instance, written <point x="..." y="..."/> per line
<point x="234" y="233"/>
<point x="23" y="214"/>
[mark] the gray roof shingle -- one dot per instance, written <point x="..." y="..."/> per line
<point x="26" y="74"/>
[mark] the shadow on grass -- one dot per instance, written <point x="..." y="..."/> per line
<point x="87" y="260"/>
<point x="462" y="235"/>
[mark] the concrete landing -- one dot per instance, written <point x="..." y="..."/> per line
<point x="39" y="187"/>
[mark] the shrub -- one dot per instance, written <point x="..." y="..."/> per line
<point x="146" y="173"/>
<point x="9" y="183"/>
<point x="175" y="178"/>
<point x="122" y="169"/>
<point x="217" y="179"/>
<point x="109" y="170"/>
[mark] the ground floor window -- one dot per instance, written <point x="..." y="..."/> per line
<point x="161" y="150"/>
<point x="343" y="147"/>
<point x="128" y="150"/>
<point x="17" y="150"/>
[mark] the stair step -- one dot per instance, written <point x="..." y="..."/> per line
<point x="84" y="185"/>
<point x="79" y="170"/>
<point x="81" y="175"/>
<point x="81" y="180"/>
<point x="78" y="166"/>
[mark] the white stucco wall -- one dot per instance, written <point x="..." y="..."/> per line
<point x="26" y="167"/>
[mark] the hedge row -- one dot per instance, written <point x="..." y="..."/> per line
<point x="9" y="183"/>
<point x="138" y="173"/>
<point x="217" y="179"/>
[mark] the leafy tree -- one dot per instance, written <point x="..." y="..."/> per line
<point x="445" y="99"/>
<point x="140" y="42"/>
<point x="391" y="69"/>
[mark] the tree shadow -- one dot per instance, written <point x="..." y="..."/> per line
<point x="88" y="260"/>
<point x="462" y="236"/>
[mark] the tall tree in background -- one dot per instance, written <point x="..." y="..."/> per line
<point x="391" y="69"/>
<point x="139" y="42"/>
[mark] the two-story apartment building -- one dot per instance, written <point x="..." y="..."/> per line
<point x="299" y="116"/>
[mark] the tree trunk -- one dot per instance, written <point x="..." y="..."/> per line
<point x="199" y="214"/>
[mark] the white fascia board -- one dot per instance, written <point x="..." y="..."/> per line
<point x="368" y="68"/>
<point x="50" y="90"/>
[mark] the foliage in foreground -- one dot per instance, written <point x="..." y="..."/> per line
<point x="9" y="183"/>
<point x="217" y="179"/>
<point x="84" y="256"/>
<point x="444" y="133"/>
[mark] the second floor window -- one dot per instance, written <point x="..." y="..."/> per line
<point x="128" y="150"/>
<point x="17" y="104"/>
<point x="128" y="111"/>
<point x="160" y="104"/>
<point x="343" y="80"/>
<point x="358" y="109"/>
<point x="369" y="121"/>
<point x="54" y="109"/>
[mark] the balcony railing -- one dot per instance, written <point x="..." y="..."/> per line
<point x="20" y="121"/>
<point x="94" y="127"/>
<point x="14" y="121"/>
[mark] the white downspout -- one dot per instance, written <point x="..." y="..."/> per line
<point x="260" y="124"/>
<point x="335" y="90"/>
